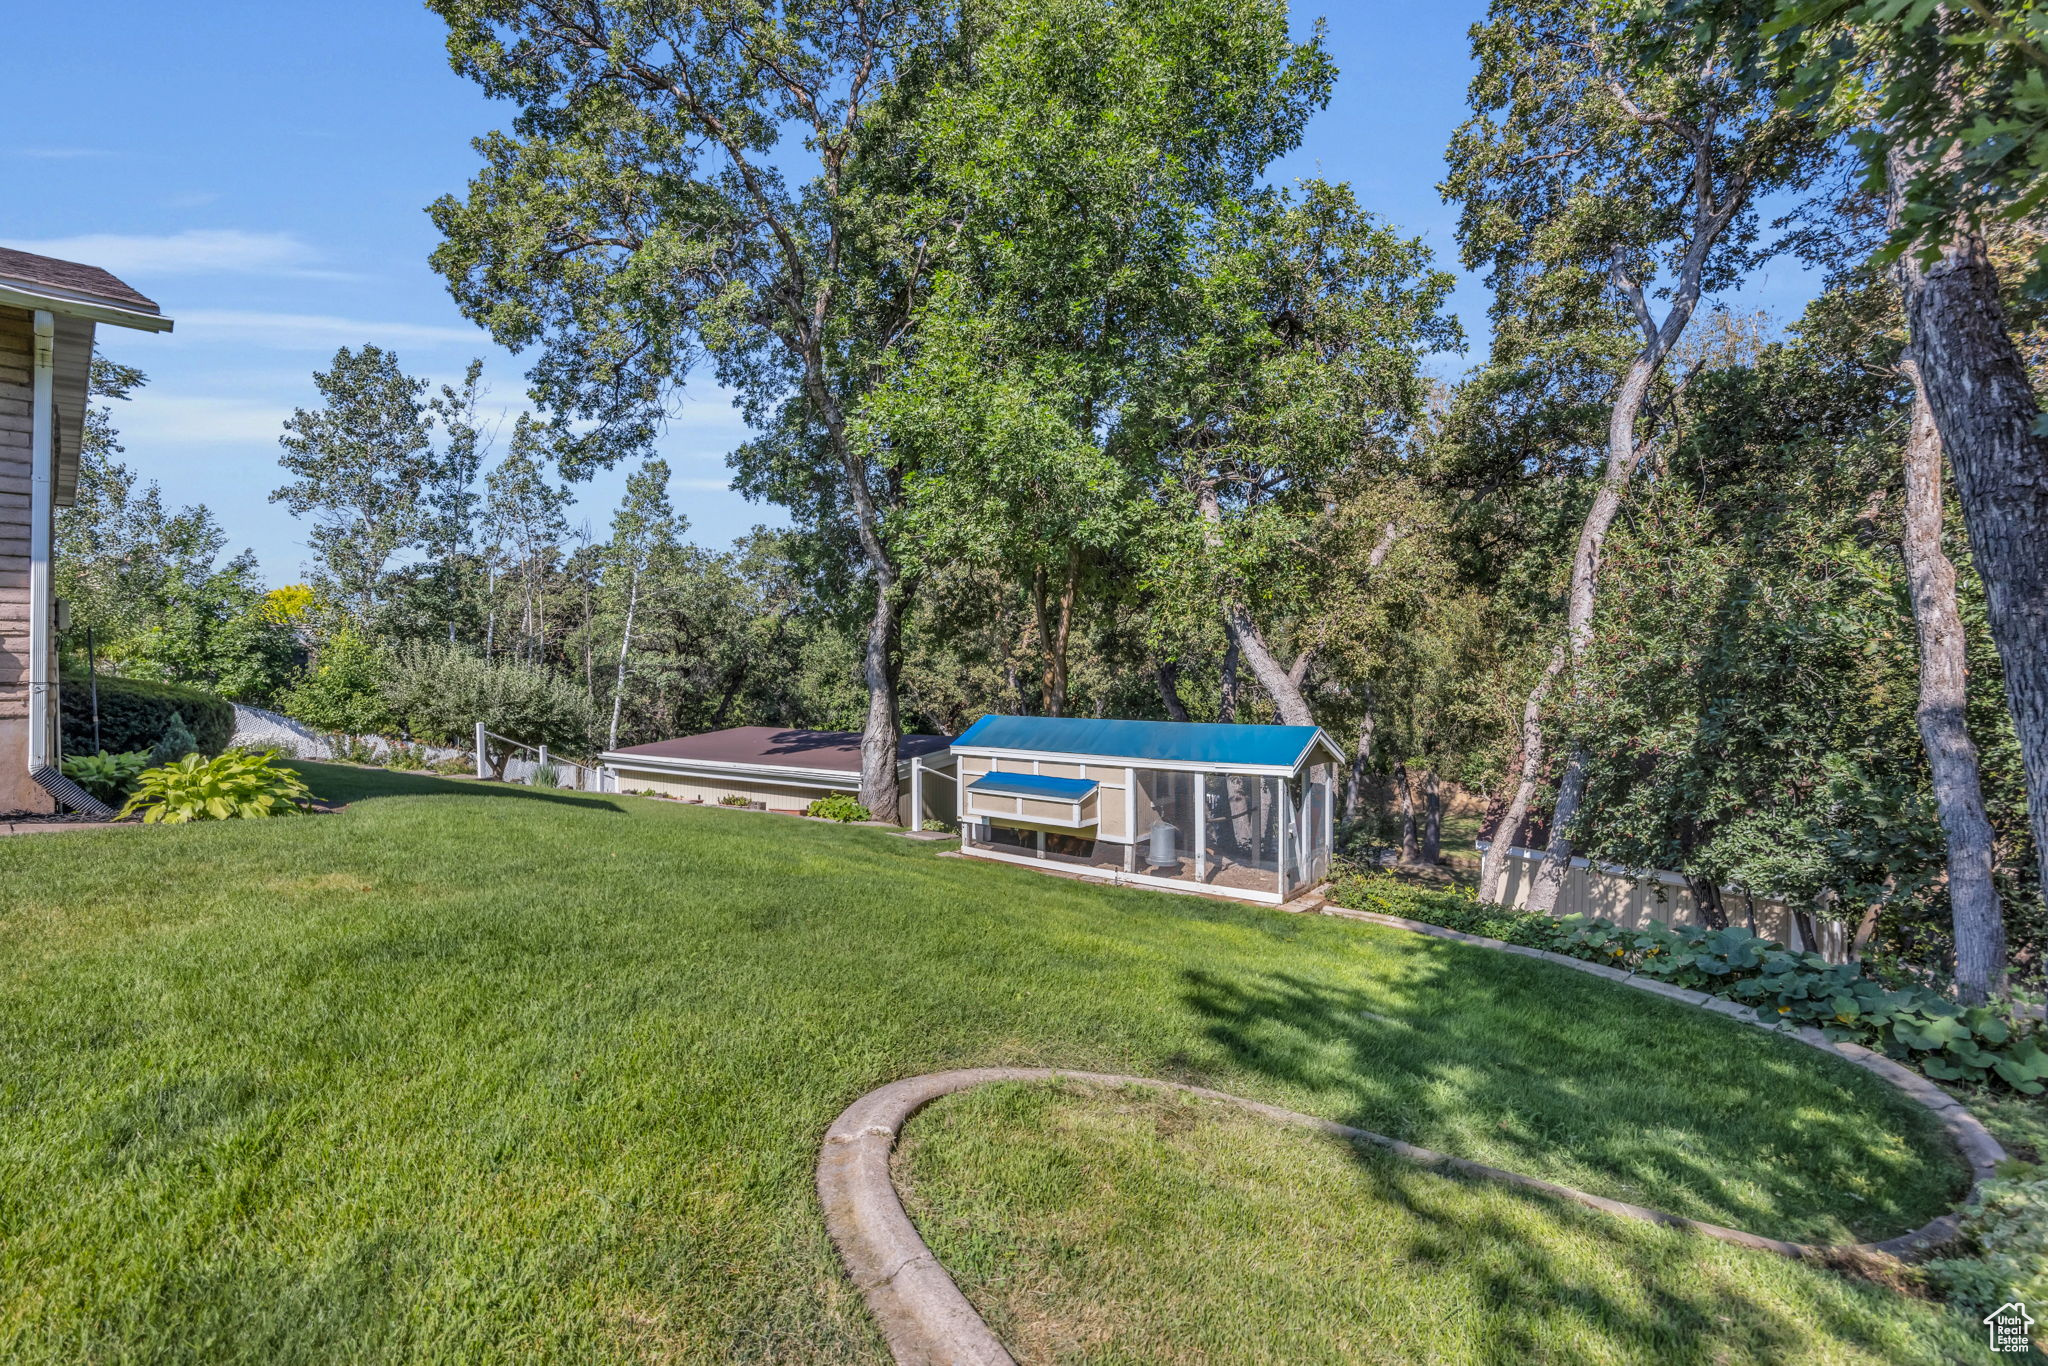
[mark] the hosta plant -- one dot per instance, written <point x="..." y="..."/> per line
<point x="235" y="786"/>
<point x="837" y="806"/>
<point x="1912" y="1024"/>
<point x="109" y="777"/>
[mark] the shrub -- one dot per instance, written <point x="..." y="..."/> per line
<point x="345" y="690"/>
<point x="109" y="777"/>
<point x="455" y="765"/>
<point x="442" y="691"/>
<point x="2006" y="1226"/>
<point x="936" y="827"/>
<point x="545" y="775"/>
<point x="1910" y="1024"/>
<point x="175" y="743"/>
<point x="406" y="759"/>
<point x="734" y="799"/>
<point x="355" y="749"/>
<point x="232" y="786"/>
<point x="135" y="713"/>
<point x="837" y="806"/>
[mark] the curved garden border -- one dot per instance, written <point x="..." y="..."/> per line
<point x="927" y="1321"/>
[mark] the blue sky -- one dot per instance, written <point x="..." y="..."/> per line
<point x="261" y="170"/>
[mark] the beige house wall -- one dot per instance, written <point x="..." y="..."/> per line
<point x="17" y="362"/>
<point x="938" y="791"/>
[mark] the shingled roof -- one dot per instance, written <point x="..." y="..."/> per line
<point x="47" y="274"/>
<point x="778" y="747"/>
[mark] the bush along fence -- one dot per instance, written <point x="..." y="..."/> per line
<point x="1914" y="1025"/>
<point x="115" y="715"/>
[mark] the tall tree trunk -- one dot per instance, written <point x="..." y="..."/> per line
<point x="1273" y="676"/>
<point x="1244" y="633"/>
<point x="1706" y="895"/>
<point x="1493" y="863"/>
<point x="1624" y="453"/>
<point x="625" y="646"/>
<point x="1432" y="819"/>
<point x="1976" y="384"/>
<point x="1167" y="677"/>
<point x="1226" y="683"/>
<point x="1361" y="760"/>
<point x="1055" y="629"/>
<point x="878" y="737"/>
<point x="1979" y="920"/>
<point x="1405" y="797"/>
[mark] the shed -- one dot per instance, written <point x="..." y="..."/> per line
<point x="1229" y="810"/>
<point x="49" y="310"/>
<point x="782" y="767"/>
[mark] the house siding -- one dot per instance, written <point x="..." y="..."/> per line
<point x="17" y="363"/>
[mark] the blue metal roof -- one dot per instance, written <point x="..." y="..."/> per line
<point x="1033" y="785"/>
<point x="1188" y="742"/>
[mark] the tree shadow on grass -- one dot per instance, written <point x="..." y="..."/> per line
<point x="1519" y="1069"/>
<point x="1551" y="1273"/>
<point x="343" y="783"/>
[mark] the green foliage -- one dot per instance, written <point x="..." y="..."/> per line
<point x="175" y="743"/>
<point x="1912" y="1024"/>
<point x="109" y="777"/>
<point x="440" y="693"/>
<point x="135" y="713"/>
<point x="548" y="774"/>
<point x="406" y="759"/>
<point x="1962" y="90"/>
<point x="355" y="749"/>
<point x="345" y="691"/>
<point x="234" y="786"/>
<point x="2006" y="1227"/>
<point x="149" y="580"/>
<point x="455" y="766"/>
<point x="935" y="827"/>
<point x="366" y="470"/>
<point x="734" y="799"/>
<point x="838" y="806"/>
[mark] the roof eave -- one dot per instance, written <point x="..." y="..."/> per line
<point x="14" y="294"/>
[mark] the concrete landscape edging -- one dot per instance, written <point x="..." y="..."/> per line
<point x="927" y="1321"/>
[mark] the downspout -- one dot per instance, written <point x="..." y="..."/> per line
<point x="42" y="511"/>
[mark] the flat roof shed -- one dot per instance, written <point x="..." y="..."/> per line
<point x="1242" y="811"/>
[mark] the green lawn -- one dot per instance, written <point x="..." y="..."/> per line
<point x="1108" y="1226"/>
<point x="479" y="1073"/>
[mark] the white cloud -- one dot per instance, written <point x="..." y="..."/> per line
<point x="197" y="251"/>
<point x="317" y="331"/>
<point x="157" y="418"/>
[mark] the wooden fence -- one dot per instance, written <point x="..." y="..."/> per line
<point x="1632" y="899"/>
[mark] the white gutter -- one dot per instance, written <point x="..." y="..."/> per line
<point x="42" y="456"/>
<point x="42" y="299"/>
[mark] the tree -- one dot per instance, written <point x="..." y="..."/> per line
<point x="1090" y="151"/>
<point x="1945" y="104"/>
<point x="365" y="470"/>
<point x="1294" y="387"/>
<point x="1943" y="714"/>
<point x="1581" y="173"/>
<point x="523" y="512"/>
<point x="344" y="690"/>
<point x="439" y="693"/>
<point x="642" y="216"/>
<point x="150" y="583"/>
<point x="646" y="527"/>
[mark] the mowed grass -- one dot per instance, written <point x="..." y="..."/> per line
<point x="478" y="1073"/>
<point x="1118" y="1226"/>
